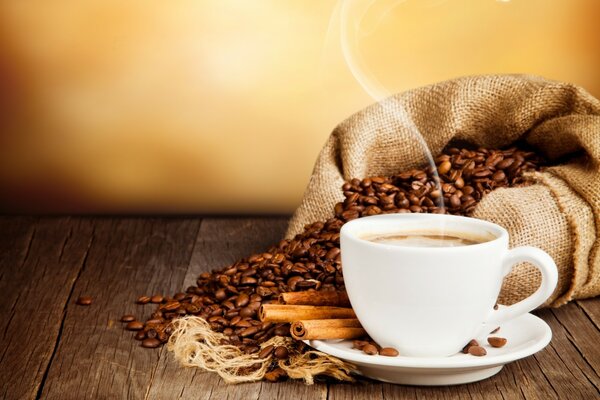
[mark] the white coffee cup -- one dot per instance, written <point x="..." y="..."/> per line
<point x="431" y="301"/>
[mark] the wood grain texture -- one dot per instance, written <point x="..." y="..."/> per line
<point x="40" y="262"/>
<point x="52" y="348"/>
<point x="95" y="357"/>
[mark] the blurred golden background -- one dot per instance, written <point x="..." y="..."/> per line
<point x="223" y="105"/>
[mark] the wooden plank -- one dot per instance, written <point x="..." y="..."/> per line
<point x="563" y="365"/>
<point x="362" y="389"/>
<point x="40" y="262"/>
<point x="591" y="307"/>
<point x="220" y="242"/>
<point x="524" y="379"/>
<point x="584" y="336"/>
<point x="95" y="357"/>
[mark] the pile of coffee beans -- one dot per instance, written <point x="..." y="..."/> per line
<point x="229" y="298"/>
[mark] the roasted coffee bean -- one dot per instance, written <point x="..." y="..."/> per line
<point x="174" y="305"/>
<point x="150" y="343"/>
<point x="282" y="330"/>
<point x="359" y="344"/>
<point x="444" y="167"/>
<point x="247" y="312"/>
<point x="281" y="352"/>
<point x="266" y="352"/>
<point x="242" y="300"/>
<point x="495" y="341"/>
<point x="127" y="318"/>
<point x="157" y="298"/>
<point x="369" y="349"/>
<point x="140" y="335"/>
<point x="134" y="326"/>
<point x="252" y="330"/>
<point x="275" y="375"/>
<point x="472" y="343"/>
<point x="143" y="300"/>
<point x="477" y="351"/>
<point x="388" y="352"/>
<point x="84" y="301"/>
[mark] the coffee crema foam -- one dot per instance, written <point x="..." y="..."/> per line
<point x="424" y="239"/>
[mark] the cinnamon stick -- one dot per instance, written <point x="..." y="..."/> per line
<point x="327" y="329"/>
<point x="315" y="298"/>
<point x="291" y="313"/>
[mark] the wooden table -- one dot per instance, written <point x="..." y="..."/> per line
<point x="52" y="348"/>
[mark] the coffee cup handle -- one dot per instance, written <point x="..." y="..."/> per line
<point x="547" y="267"/>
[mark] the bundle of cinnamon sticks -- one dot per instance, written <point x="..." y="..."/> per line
<point x="315" y="315"/>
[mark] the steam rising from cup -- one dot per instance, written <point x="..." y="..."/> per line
<point x="351" y="14"/>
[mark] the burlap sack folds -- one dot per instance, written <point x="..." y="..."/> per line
<point x="559" y="212"/>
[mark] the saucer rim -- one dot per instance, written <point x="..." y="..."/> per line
<point x="490" y="360"/>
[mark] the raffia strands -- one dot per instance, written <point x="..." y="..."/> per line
<point x="195" y="344"/>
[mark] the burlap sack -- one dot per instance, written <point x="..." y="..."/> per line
<point x="559" y="212"/>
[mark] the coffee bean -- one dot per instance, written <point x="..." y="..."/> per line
<point x="275" y="375"/>
<point x="369" y="349"/>
<point x="84" y="301"/>
<point x="281" y="352"/>
<point x="242" y="300"/>
<point x="495" y="341"/>
<point x="477" y="351"/>
<point x="252" y="330"/>
<point x="282" y="330"/>
<point x="134" y="326"/>
<point x="157" y="298"/>
<point x="247" y="312"/>
<point x="359" y="344"/>
<point x="150" y="343"/>
<point x="472" y="343"/>
<point x="388" y="352"/>
<point x="220" y="294"/>
<point x="266" y="352"/>
<point x="444" y="167"/>
<point x="140" y="335"/>
<point x="127" y="318"/>
<point x="143" y="300"/>
<point x="173" y="305"/>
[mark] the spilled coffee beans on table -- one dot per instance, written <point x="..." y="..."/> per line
<point x="229" y="298"/>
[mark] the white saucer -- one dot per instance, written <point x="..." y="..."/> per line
<point x="526" y="335"/>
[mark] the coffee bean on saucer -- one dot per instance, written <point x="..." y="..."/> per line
<point x="477" y="351"/>
<point x="472" y="343"/>
<point x="84" y="301"/>
<point x="359" y="344"/>
<point x="495" y="341"/>
<point x="388" y="352"/>
<point x="369" y="349"/>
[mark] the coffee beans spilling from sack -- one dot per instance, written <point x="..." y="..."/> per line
<point x="229" y="298"/>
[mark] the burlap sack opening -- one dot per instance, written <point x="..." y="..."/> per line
<point x="558" y="212"/>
